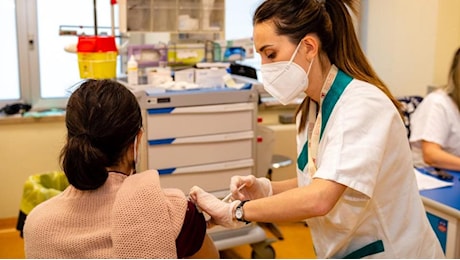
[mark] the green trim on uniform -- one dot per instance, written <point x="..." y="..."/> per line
<point x="303" y="157"/>
<point x="341" y="81"/>
<point x="370" y="249"/>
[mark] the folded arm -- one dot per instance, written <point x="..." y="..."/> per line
<point x="435" y="156"/>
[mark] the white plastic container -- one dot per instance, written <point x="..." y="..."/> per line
<point x="132" y="71"/>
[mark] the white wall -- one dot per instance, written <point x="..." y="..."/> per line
<point x="447" y="38"/>
<point x="410" y="42"/>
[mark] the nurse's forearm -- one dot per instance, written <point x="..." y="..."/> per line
<point x="444" y="160"/>
<point x="297" y="204"/>
<point x="435" y="156"/>
<point x="281" y="186"/>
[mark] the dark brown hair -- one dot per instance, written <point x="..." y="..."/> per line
<point x="331" y="21"/>
<point x="102" y="120"/>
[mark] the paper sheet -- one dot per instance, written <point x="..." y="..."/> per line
<point x="426" y="182"/>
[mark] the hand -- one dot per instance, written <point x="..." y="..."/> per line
<point x="221" y="212"/>
<point x="255" y="188"/>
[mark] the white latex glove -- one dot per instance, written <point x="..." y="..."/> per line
<point x="255" y="188"/>
<point x="221" y="212"/>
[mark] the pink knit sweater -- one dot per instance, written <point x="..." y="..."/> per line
<point x="128" y="217"/>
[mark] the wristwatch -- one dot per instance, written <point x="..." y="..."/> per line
<point x="239" y="213"/>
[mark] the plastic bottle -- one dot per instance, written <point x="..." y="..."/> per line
<point x="132" y="69"/>
<point x="209" y="51"/>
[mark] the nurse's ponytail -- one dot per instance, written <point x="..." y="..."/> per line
<point x="345" y="51"/>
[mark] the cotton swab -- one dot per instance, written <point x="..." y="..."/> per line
<point x="227" y="198"/>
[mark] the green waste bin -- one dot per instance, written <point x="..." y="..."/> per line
<point x="38" y="188"/>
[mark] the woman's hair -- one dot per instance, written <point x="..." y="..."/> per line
<point x="102" y="119"/>
<point x="453" y="83"/>
<point x="331" y="21"/>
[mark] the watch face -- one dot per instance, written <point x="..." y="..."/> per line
<point x="238" y="213"/>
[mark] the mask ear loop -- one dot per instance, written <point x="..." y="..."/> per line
<point x="309" y="67"/>
<point x="291" y="60"/>
<point x="295" y="53"/>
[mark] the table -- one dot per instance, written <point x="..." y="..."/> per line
<point x="443" y="210"/>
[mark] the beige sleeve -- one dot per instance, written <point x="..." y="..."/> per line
<point x="146" y="219"/>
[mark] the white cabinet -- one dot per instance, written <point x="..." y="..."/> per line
<point x="183" y="17"/>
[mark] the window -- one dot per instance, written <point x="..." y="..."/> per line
<point x="242" y="11"/>
<point x="58" y="68"/>
<point x="9" y="66"/>
<point x="37" y="69"/>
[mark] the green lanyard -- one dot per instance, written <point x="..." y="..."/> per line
<point x="341" y="81"/>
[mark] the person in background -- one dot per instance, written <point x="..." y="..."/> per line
<point x="435" y="125"/>
<point x="107" y="211"/>
<point x="355" y="182"/>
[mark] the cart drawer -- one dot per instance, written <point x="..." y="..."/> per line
<point x="210" y="177"/>
<point x="189" y="151"/>
<point x="199" y="120"/>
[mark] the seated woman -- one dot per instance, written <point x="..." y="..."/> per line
<point x="106" y="211"/>
<point x="435" y="125"/>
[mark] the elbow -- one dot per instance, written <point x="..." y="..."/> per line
<point x="326" y="197"/>
<point x="321" y="208"/>
<point x="430" y="159"/>
<point x="313" y="208"/>
<point x="432" y="153"/>
<point x="321" y="197"/>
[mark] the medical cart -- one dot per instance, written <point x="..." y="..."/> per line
<point x="203" y="137"/>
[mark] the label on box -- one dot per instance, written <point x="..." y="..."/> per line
<point x="210" y="78"/>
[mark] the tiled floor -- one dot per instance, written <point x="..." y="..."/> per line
<point x="296" y="244"/>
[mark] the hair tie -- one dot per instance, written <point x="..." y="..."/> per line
<point x="83" y="134"/>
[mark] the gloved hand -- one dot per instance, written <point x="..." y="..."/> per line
<point x="221" y="212"/>
<point x="255" y="188"/>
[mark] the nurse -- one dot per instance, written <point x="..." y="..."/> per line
<point x="435" y="124"/>
<point x="355" y="181"/>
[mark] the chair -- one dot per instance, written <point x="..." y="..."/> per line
<point x="409" y="104"/>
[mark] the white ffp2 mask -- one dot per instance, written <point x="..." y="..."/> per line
<point x="285" y="80"/>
